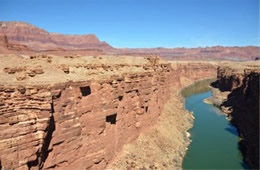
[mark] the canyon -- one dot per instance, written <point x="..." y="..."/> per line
<point x="64" y="112"/>
<point x="75" y="102"/>
<point x="236" y="92"/>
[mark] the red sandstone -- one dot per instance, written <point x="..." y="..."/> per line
<point x="83" y="122"/>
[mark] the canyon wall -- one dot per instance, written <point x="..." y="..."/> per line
<point x="242" y="105"/>
<point x="80" y="124"/>
<point x="83" y="124"/>
<point x="164" y="145"/>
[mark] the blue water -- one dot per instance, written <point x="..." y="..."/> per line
<point x="214" y="140"/>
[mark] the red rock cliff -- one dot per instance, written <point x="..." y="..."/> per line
<point x="83" y="124"/>
<point x="78" y="124"/>
<point x="39" y="39"/>
<point x="243" y="106"/>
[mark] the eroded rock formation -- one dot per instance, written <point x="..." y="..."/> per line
<point x="164" y="145"/>
<point x="242" y="105"/>
<point x="76" y="115"/>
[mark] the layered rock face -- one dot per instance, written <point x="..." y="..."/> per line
<point x="5" y="45"/>
<point x="164" y="145"/>
<point x="67" y="113"/>
<point x="39" y="39"/>
<point x="242" y="105"/>
<point x="80" y="124"/>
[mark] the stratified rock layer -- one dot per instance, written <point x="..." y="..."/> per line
<point x="68" y="113"/>
<point x="242" y="105"/>
<point x="164" y="145"/>
<point x="39" y="39"/>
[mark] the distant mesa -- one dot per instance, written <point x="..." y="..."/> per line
<point x="24" y="37"/>
<point x="39" y="40"/>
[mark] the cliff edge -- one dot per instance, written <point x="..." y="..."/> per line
<point x="238" y="85"/>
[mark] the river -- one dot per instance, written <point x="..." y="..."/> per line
<point x="214" y="140"/>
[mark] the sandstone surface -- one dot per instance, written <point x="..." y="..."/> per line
<point x="164" y="145"/>
<point x="79" y="111"/>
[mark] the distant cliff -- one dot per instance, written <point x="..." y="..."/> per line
<point x="242" y="106"/>
<point x="207" y="53"/>
<point x="38" y="39"/>
<point x="26" y="36"/>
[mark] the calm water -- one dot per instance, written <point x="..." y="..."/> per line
<point x="214" y="140"/>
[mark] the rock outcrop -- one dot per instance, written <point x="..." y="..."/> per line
<point x="76" y="115"/>
<point x="242" y="105"/>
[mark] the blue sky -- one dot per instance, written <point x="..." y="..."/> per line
<point x="144" y="23"/>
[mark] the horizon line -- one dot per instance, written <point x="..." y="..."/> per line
<point x="123" y="47"/>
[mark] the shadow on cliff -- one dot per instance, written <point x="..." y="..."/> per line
<point x="42" y="155"/>
<point x="221" y="86"/>
<point x="47" y="141"/>
<point x="244" y="165"/>
<point x="232" y="130"/>
<point x="244" y="101"/>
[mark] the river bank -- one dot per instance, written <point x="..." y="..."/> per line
<point x="214" y="139"/>
<point x="236" y="93"/>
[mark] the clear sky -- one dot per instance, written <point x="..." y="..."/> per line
<point x="144" y="23"/>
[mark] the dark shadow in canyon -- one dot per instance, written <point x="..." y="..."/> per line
<point x="47" y="141"/>
<point x="232" y="130"/>
<point x="244" y="101"/>
<point x="42" y="155"/>
<point x="244" y="165"/>
<point x="85" y="91"/>
<point x="111" y="118"/>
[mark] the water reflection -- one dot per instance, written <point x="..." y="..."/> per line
<point x="197" y="87"/>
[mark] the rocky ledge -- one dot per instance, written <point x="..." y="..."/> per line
<point x="236" y="91"/>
